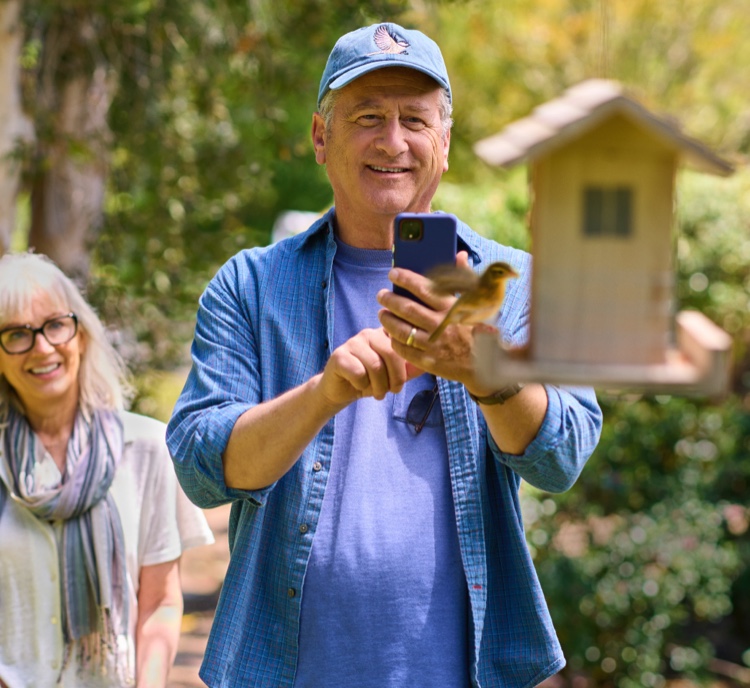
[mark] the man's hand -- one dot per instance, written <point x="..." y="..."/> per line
<point x="451" y="356"/>
<point x="364" y="366"/>
<point x="276" y="432"/>
<point x="514" y="424"/>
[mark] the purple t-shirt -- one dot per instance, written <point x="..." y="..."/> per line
<point x="384" y="601"/>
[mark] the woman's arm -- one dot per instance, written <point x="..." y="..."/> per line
<point x="158" y="627"/>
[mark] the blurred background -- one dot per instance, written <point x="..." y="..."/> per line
<point x="144" y="142"/>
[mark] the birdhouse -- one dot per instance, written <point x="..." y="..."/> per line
<point x="602" y="172"/>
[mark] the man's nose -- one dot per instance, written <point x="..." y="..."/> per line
<point x="392" y="138"/>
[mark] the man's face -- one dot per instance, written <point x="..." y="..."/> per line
<point x="385" y="150"/>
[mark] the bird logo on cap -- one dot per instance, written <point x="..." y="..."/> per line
<point x="389" y="42"/>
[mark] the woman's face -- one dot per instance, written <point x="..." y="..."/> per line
<point x="46" y="377"/>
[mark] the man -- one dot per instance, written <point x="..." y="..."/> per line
<point x="364" y="552"/>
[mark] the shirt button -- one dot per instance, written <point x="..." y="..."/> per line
<point x="303" y="528"/>
<point x="317" y="466"/>
<point x="324" y="284"/>
<point x="55" y="664"/>
<point x="291" y="592"/>
<point x="53" y="620"/>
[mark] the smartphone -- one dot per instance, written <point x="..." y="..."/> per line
<point x="422" y="241"/>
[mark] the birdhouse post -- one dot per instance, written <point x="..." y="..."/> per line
<point x="602" y="174"/>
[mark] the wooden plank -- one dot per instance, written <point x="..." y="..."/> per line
<point x="707" y="346"/>
<point x="698" y="365"/>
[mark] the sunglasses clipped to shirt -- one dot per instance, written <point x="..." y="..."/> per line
<point x="57" y="331"/>
<point x="420" y="407"/>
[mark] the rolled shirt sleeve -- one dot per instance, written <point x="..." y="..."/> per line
<point x="569" y="434"/>
<point x="221" y="386"/>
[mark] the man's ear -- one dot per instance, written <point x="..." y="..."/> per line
<point x="319" y="138"/>
<point x="446" y="149"/>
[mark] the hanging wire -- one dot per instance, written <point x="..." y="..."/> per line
<point x="604" y="22"/>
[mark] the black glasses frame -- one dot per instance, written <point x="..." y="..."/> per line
<point x="39" y="330"/>
<point x="413" y="409"/>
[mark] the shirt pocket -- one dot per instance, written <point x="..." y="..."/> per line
<point x="421" y="386"/>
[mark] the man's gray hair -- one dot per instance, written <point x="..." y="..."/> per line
<point x="445" y="106"/>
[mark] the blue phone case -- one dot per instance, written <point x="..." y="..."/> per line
<point x="436" y="245"/>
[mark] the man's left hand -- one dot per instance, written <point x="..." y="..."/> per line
<point x="410" y="324"/>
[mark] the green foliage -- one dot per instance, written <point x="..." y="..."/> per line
<point x="713" y="255"/>
<point x="678" y="57"/>
<point x="640" y="552"/>
<point x="632" y="582"/>
<point x="496" y="207"/>
<point x="212" y="142"/>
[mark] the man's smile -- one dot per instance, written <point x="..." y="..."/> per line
<point x="390" y="170"/>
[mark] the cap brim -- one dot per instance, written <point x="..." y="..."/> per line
<point x="356" y="72"/>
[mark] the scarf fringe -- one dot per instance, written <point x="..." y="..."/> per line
<point x="95" y="651"/>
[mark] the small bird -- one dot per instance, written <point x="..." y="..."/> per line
<point x="481" y="295"/>
<point x="388" y="42"/>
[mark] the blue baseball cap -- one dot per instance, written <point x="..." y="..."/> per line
<point x="382" y="45"/>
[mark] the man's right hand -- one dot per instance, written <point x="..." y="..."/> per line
<point x="268" y="439"/>
<point x="364" y="366"/>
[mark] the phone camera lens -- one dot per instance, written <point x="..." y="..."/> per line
<point x="411" y="230"/>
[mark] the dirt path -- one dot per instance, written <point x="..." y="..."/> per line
<point x="202" y="572"/>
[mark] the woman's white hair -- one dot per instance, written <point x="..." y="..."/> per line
<point x="102" y="375"/>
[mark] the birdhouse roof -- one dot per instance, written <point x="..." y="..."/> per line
<point x="580" y="109"/>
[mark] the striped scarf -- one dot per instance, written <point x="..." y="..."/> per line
<point x="93" y="572"/>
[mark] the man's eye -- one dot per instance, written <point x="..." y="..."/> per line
<point x="368" y="119"/>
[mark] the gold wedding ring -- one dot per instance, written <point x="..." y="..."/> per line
<point x="410" y="338"/>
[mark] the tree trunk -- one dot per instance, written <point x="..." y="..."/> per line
<point x="67" y="195"/>
<point x="15" y="128"/>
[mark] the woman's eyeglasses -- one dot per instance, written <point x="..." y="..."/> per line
<point x="420" y="407"/>
<point x="57" y="331"/>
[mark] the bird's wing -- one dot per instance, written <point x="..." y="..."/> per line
<point x="450" y="279"/>
<point x="384" y="40"/>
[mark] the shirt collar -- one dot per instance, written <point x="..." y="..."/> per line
<point x="324" y="227"/>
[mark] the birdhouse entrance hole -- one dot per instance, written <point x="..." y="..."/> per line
<point x="607" y="211"/>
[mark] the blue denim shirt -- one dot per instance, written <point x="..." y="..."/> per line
<point x="264" y="326"/>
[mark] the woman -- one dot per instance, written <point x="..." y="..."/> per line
<point x="92" y="522"/>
